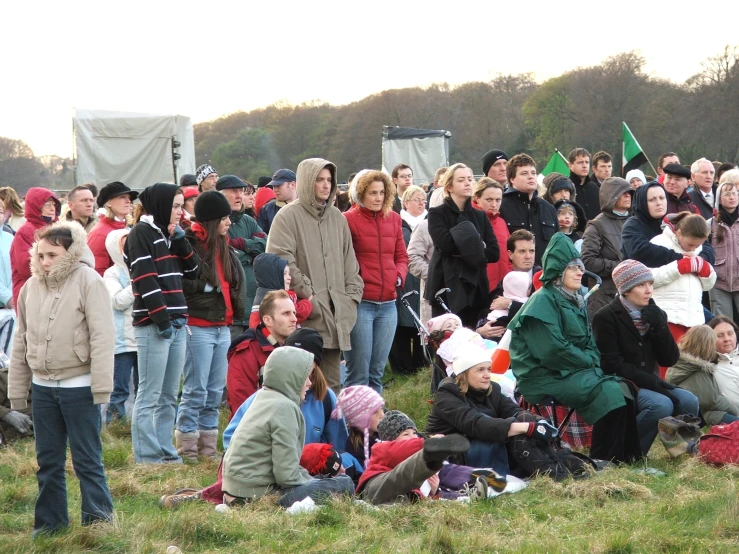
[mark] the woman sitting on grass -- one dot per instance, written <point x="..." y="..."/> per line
<point x="470" y="404"/>
<point x="694" y="371"/>
<point x="65" y="325"/>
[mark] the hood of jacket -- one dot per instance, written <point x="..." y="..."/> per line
<point x="269" y="271"/>
<point x="306" y="176"/>
<point x="36" y="197"/>
<point x="113" y="246"/>
<point x="77" y="253"/>
<point x="286" y="370"/>
<point x="157" y="201"/>
<point x="579" y="213"/>
<point x="557" y="256"/>
<point x="611" y="190"/>
<point x="639" y="205"/>
<point x="687" y="365"/>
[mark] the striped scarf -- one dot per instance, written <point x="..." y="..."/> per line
<point x="635" y="314"/>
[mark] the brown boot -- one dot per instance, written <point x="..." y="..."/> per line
<point x="187" y="445"/>
<point x="208" y="444"/>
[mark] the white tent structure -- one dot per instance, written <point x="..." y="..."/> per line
<point x="423" y="149"/>
<point x="134" y="148"/>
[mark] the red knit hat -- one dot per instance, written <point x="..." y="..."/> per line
<point x="320" y="459"/>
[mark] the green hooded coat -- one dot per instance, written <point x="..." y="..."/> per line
<point x="552" y="349"/>
<point x="264" y="453"/>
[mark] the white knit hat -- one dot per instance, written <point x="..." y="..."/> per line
<point x="470" y="357"/>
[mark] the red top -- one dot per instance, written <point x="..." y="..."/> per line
<point x="380" y="250"/>
<point x="386" y="456"/>
<point x="263" y="195"/>
<point x="244" y="362"/>
<point x="96" y="241"/>
<point x="226" y="292"/>
<point x="501" y="268"/>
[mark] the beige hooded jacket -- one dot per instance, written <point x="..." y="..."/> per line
<point x="65" y="324"/>
<point x="316" y="242"/>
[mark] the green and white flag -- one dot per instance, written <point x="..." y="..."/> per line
<point x="633" y="155"/>
<point x="557" y="163"/>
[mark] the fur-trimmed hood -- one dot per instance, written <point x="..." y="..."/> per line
<point x="687" y="365"/>
<point x="78" y="253"/>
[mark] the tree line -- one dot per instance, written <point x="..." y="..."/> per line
<point x="583" y="107"/>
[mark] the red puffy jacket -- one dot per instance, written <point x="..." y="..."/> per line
<point x="501" y="268"/>
<point x="20" y="257"/>
<point x="386" y="456"/>
<point x="96" y="241"/>
<point x="380" y="250"/>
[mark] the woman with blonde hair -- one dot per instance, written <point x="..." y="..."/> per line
<point x="464" y="244"/>
<point x="694" y="371"/>
<point x="14" y="214"/>
<point x="377" y="238"/>
<point x="114" y="201"/>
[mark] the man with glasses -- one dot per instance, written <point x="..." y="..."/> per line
<point x="676" y="184"/>
<point x="402" y="179"/>
<point x="704" y="189"/>
<point x="283" y="185"/>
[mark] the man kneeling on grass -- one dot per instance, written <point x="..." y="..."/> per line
<point x="264" y="455"/>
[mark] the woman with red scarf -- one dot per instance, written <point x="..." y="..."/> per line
<point x="487" y="197"/>
<point x="213" y="301"/>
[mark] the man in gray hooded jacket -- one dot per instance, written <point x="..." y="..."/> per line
<point x="314" y="237"/>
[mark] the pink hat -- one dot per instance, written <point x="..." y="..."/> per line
<point x="356" y="405"/>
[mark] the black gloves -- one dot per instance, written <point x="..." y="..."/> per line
<point x="542" y="430"/>
<point x="654" y="315"/>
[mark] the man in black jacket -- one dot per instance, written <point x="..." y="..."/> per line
<point x="586" y="190"/>
<point x="702" y="172"/>
<point x="521" y="208"/>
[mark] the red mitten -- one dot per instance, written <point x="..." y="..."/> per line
<point x="238" y="243"/>
<point x="685" y="265"/>
<point x="698" y="264"/>
<point x="705" y="270"/>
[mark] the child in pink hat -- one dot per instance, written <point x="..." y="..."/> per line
<point x="362" y="408"/>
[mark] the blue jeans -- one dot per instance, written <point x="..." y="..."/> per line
<point x="124" y="363"/>
<point x="488" y="454"/>
<point x="371" y="340"/>
<point x="320" y="490"/>
<point x="60" y="414"/>
<point x="728" y="418"/>
<point x="160" y="368"/>
<point x="652" y="406"/>
<point x="205" y="377"/>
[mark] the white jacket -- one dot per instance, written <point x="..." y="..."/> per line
<point x="680" y="296"/>
<point x="118" y="282"/>
<point x="726" y="375"/>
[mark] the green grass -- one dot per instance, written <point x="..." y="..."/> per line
<point x="694" y="509"/>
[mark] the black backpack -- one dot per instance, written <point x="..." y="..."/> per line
<point x="529" y="457"/>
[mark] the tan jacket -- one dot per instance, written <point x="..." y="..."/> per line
<point x="65" y="324"/>
<point x="316" y="242"/>
<point x="420" y="250"/>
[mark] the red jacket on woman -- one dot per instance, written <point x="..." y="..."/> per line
<point x="380" y="250"/>
<point x="96" y="241"/>
<point x="501" y="268"/>
<point x="20" y="257"/>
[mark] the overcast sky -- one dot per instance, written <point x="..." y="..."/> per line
<point x="212" y="58"/>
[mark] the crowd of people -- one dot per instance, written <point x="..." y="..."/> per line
<point x="614" y="298"/>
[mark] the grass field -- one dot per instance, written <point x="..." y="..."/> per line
<point x="695" y="508"/>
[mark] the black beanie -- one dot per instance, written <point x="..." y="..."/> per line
<point x="490" y="158"/>
<point x="264" y="181"/>
<point x="561" y="184"/>
<point x="308" y="340"/>
<point x="210" y="205"/>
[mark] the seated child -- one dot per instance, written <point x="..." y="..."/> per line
<point x="404" y="464"/>
<point x="272" y="273"/>
<point x="515" y="287"/>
